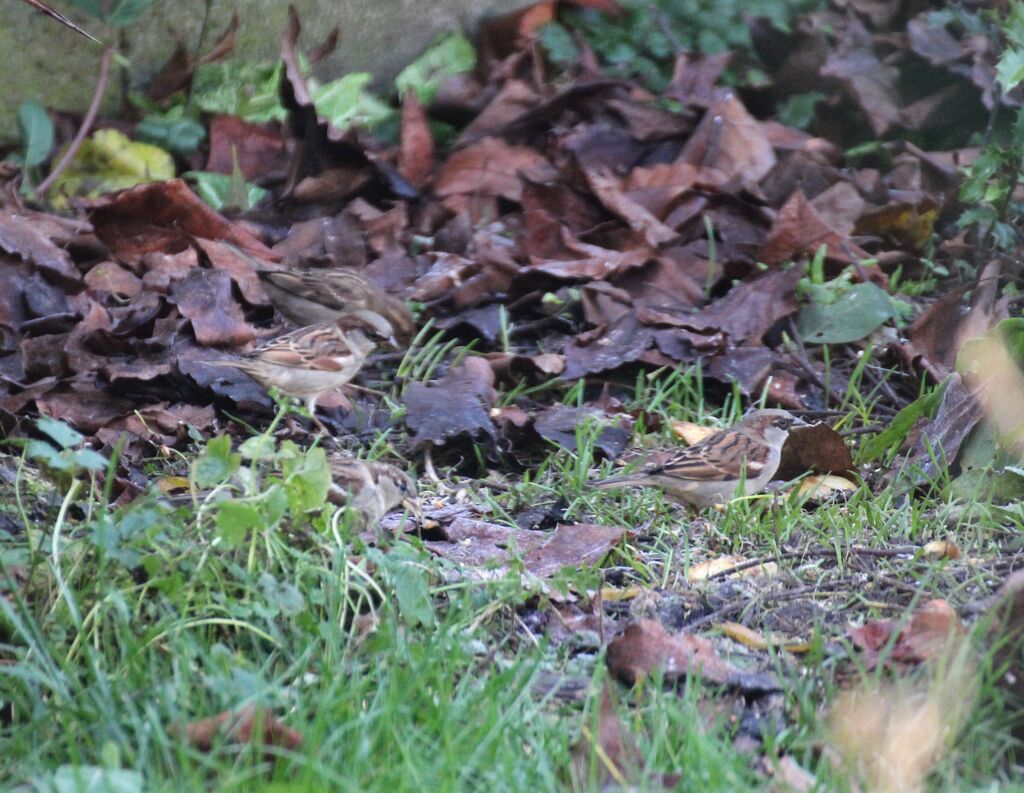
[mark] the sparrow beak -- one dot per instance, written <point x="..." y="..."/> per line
<point x="412" y="506"/>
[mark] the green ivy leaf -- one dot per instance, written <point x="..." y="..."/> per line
<point x="178" y="135"/>
<point x="857" y="313"/>
<point x="346" y="102"/>
<point x="1010" y="69"/>
<point x="62" y="434"/>
<point x="238" y="88"/>
<point x="798" y="110"/>
<point x="36" y="132"/>
<point x="558" y="44"/>
<point x="236" y="519"/>
<point x="90" y="460"/>
<point x="450" y="54"/>
<point x="223" y="191"/>
<point x="409" y="579"/>
<point x="44" y="453"/>
<point x="216" y="463"/>
<point x="306" y="481"/>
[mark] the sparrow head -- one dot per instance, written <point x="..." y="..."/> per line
<point x="396" y="487"/>
<point x="772" y="426"/>
<point x="370" y="324"/>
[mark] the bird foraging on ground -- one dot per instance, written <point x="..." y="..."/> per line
<point x="710" y="472"/>
<point x="371" y="488"/>
<point x="311" y="361"/>
<point x="305" y="296"/>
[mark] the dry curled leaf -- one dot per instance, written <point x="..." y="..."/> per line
<point x="817" y="448"/>
<point x="931" y="631"/>
<point x="242" y="726"/>
<point x="645" y="647"/>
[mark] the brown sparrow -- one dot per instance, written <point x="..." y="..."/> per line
<point x="311" y="361"/>
<point x="373" y="489"/>
<point x="305" y="296"/>
<point x="710" y="472"/>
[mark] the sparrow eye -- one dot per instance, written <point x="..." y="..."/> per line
<point x="784" y="423"/>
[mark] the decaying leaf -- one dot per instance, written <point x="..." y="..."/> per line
<point x="457" y="404"/>
<point x="689" y="432"/>
<point x="242" y="726"/>
<point x="720" y="566"/>
<point x="825" y="487"/>
<point x="645" y="647"/>
<point x="817" y="448"/>
<point x="482" y="549"/>
<point x="930" y="631"/>
<point x="757" y="641"/>
<point x="161" y="217"/>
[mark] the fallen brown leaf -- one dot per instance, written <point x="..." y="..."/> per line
<point x="458" y="404"/>
<point x="242" y="726"/>
<point x="261" y="151"/>
<point x="483" y="549"/>
<point x="645" y="647"/>
<point x="416" y="142"/>
<point x="731" y="141"/>
<point x="162" y="217"/>
<point x="931" y="631"/>
<point x="487" y="170"/>
<point x="205" y="299"/>
<point x="20" y="236"/>
<point x="799" y="231"/>
<point x="817" y="448"/>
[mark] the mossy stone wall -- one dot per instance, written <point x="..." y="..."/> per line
<point x="42" y="59"/>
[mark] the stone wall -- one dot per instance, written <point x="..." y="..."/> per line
<point x="42" y="59"/>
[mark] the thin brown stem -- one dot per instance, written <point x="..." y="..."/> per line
<point x="87" y="122"/>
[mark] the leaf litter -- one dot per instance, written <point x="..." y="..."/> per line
<point x="579" y="227"/>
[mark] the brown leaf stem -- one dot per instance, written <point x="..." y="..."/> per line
<point x="87" y="122"/>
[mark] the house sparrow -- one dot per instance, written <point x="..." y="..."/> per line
<point x="710" y="472"/>
<point x="305" y="296"/>
<point x="373" y="489"/>
<point x="310" y="361"/>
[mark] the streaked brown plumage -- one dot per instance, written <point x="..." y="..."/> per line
<point x="310" y="361"/>
<point x="710" y="472"/>
<point x="372" y="488"/>
<point x="306" y="296"/>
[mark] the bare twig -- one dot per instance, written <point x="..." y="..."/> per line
<point x="87" y="122"/>
<point x="665" y="26"/>
<point x="813" y="553"/>
<point x="862" y="430"/>
<point x="799" y="354"/>
<point x="743" y="603"/>
<point x="53" y="13"/>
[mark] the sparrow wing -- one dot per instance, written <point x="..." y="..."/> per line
<point x="349" y="474"/>
<point x="306" y="347"/>
<point x="722" y="457"/>
<point x="346" y="290"/>
<point x="337" y="289"/>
